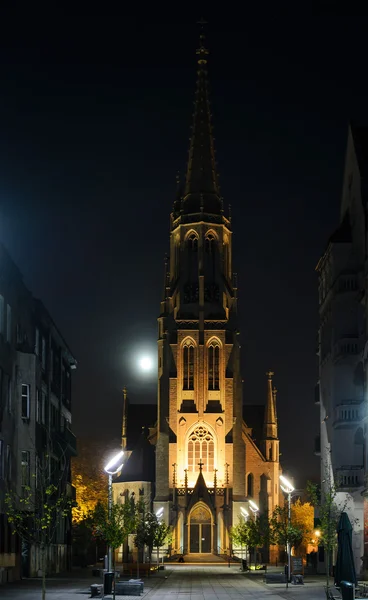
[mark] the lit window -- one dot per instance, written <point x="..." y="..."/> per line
<point x="201" y="449"/>
<point x="26" y="388"/>
<point x="210" y="243"/>
<point x="188" y="367"/>
<point x="214" y="367"/>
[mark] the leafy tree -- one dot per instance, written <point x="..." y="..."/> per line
<point x="251" y="533"/>
<point x="163" y="533"/>
<point x="240" y="534"/>
<point x="89" y="478"/>
<point x="329" y="514"/>
<point x="281" y="531"/>
<point x="36" y="514"/>
<point x="302" y="516"/>
<point x="115" y="527"/>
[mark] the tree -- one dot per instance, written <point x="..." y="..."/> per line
<point x="89" y="478"/>
<point x="281" y="531"/>
<point x="329" y="514"/>
<point x="251" y="533"/>
<point x="163" y="533"/>
<point x="115" y="527"/>
<point x="240" y="534"/>
<point x="36" y="513"/>
<point x="302" y="516"/>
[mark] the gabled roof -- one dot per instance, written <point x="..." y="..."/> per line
<point x="140" y="465"/>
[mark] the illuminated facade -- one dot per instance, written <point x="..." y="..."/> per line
<point x="207" y="463"/>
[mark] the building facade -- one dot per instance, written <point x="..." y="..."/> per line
<point x="208" y="465"/>
<point x="342" y="345"/>
<point x="35" y="417"/>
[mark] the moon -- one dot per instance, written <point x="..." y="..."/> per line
<point x="146" y="363"/>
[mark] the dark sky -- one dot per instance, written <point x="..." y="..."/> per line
<point x="94" y="123"/>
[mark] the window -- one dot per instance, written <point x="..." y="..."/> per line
<point x="188" y="367"/>
<point x="26" y="388"/>
<point x="8" y="323"/>
<point x="209" y="244"/>
<point x="10" y="396"/>
<point x="26" y="468"/>
<point x="54" y="417"/>
<point x="37" y="342"/>
<point x="214" y="366"/>
<point x="2" y="315"/>
<point x="40" y="407"/>
<point x="250" y="485"/>
<point x="8" y="464"/>
<point x="192" y="242"/>
<point x="201" y="449"/>
<point x="43" y="355"/>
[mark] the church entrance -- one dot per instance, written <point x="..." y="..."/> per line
<point x="200" y="530"/>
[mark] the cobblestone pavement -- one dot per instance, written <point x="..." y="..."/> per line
<point x="176" y="582"/>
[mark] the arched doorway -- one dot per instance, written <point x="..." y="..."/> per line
<point x="200" y="529"/>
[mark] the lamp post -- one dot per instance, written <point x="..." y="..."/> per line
<point x="288" y="489"/>
<point x="113" y="466"/>
<point x="255" y="509"/>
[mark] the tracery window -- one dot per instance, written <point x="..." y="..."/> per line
<point x="188" y="367"/>
<point x="192" y="242"/>
<point x="210" y="243"/>
<point x="201" y="449"/>
<point x="214" y="366"/>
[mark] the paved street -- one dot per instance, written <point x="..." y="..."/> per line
<point x="177" y="582"/>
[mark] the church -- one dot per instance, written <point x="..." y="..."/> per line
<point x="215" y="459"/>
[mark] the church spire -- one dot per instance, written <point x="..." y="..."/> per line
<point x="124" y="438"/>
<point x="270" y="420"/>
<point x="202" y="192"/>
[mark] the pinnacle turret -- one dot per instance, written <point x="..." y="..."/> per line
<point x="270" y="419"/>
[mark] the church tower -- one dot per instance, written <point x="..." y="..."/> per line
<point x="200" y="450"/>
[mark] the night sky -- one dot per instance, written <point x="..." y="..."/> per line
<point x="94" y="124"/>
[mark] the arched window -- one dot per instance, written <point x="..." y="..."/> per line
<point x="188" y="367"/>
<point x="201" y="449"/>
<point x="250" y="485"/>
<point x="210" y="243"/>
<point x="192" y="242"/>
<point x="214" y="366"/>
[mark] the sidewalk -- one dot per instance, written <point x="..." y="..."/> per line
<point x="176" y="582"/>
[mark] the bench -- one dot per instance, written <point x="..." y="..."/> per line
<point x="275" y="578"/>
<point x="133" y="587"/>
<point x="96" y="589"/>
<point x="144" y="568"/>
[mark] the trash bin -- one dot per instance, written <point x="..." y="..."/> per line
<point x="108" y="579"/>
<point x="347" y="590"/>
<point x="244" y="564"/>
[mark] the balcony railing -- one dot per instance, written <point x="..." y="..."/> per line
<point x="349" y="477"/>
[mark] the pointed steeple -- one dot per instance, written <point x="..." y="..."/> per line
<point x="202" y="192"/>
<point x="270" y="420"/>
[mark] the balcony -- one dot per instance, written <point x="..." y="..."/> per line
<point x="349" y="477"/>
<point x="347" y="413"/>
<point x="68" y="441"/>
<point x="347" y="345"/>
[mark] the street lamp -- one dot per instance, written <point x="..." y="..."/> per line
<point x="254" y="508"/>
<point x="288" y="489"/>
<point x="113" y="466"/>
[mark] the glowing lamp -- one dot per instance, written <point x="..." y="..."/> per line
<point x="285" y="485"/>
<point x="115" y="464"/>
<point x="253" y="506"/>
